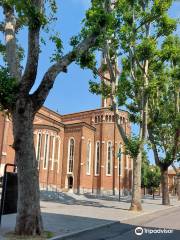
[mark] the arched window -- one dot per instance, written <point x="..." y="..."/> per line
<point x="88" y="158"/>
<point x="52" y="151"/>
<point x="38" y="147"/>
<point x="46" y="151"/>
<point x="106" y="118"/>
<point x="97" y="159"/>
<point x="121" y="120"/>
<point x="70" y="155"/>
<point x="105" y="102"/>
<point x="57" y="153"/>
<point x="59" y="149"/>
<point x="109" y="159"/>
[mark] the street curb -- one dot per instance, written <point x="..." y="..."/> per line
<point x="151" y="212"/>
<point x="162" y="212"/>
<point x="76" y="233"/>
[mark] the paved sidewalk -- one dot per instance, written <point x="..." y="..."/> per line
<point x="73" y="213"/>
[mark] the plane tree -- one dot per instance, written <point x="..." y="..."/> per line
<point x="164" y="115"/>
<point x="150" y="176"/>
<point x="139" y="27"/>
<point x="17" y="80"/>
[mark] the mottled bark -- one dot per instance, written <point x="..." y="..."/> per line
<point x="136" y="191"/>
<point x="164" y="185"/>
<point x="28" y="220"/>
<point x="26" y="105"/>
<point x="10" y="40"/>
<point x="30" y="72"/>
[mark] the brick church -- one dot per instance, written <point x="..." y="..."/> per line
<point x="79" y="152"/>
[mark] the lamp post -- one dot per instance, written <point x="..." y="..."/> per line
<point x="152" y="170"/>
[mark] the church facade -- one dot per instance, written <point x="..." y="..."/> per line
<point x="81" y="152"/>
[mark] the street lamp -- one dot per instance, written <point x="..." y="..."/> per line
<point x="152" y="170"/>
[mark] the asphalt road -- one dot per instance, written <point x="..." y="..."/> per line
<point x="160" y="225"/>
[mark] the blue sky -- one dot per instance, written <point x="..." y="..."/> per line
<point x="70" y="92"/>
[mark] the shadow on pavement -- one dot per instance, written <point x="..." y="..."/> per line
<point x="84" y="228"/>
<point x="122" y="231"/>
<point x="71" y="200"/>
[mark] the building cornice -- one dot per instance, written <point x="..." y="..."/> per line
<point x="45" y="126"/>
<point x="80" y="124"/>
<point x="50" y="119"/>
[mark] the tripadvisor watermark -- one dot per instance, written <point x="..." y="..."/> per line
<point x="139" y="231"/>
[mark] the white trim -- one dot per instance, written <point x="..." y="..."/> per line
<point x="39" y="133"/>
<point x="126" y="161"/>
<point x="71" y="138"/>
<point x="107" y="160"/>
<point x="105" y="102"/>
<point x="2" y="165"/>
<point x="53" y="151"/>
<point x="88" y="157"/>
<point x="95" y="166"/>
<point x="37" y="137"/>
<point x="46" y="143"/>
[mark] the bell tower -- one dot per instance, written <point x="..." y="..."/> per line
<point x="105" y="77"/>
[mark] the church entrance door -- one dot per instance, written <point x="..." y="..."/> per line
<point x="70" y="182"/>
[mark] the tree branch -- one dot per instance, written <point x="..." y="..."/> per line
<point x="39" y="96"/>
<point x="10" y="39"/>
<point x="30" y="72"/>
<point x="156" y="156"/>
<point x="2" y="26"/>
<point x="114" y="82"/>
<point x="176" y="143"/>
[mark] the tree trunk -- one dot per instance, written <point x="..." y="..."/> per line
<point x="164" y="185"/>
<point x="178" y="187"/>
<point x="136" y="191"/>
<point x="28" y="221"/>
